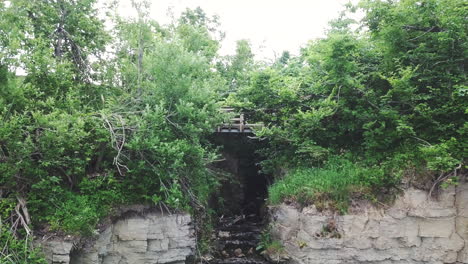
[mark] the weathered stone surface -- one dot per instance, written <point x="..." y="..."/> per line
<point x="59" y="247"/>
<point x="313" y="224"/>
<point x="433" y="212"/>
<point x="151" y="238"/>
<point x="436" y="227"/>
<point x="158" y="245"/>
<point x="287" y="222"/>
<point x="416" y="229"/>
<point x="56" y="251"/>
<point x="461" y="221"/>
<point x="60" y="259"/>
<point x="463" y="255"/>
<point x="461" y="200"/>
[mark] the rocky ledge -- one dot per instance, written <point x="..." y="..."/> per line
<point x="149" y="238"/>
<point x="416" y="229"/>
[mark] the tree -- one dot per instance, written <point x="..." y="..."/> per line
<point x="236" y="69"/>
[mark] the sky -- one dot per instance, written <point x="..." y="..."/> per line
<point x="272" y="26"/>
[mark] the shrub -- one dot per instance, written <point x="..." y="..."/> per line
<point x="18" y="251"/>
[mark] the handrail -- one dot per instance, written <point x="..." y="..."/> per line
<point x="237" y="124"/>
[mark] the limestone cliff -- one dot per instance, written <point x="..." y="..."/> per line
<point x="415" y="229"/>
<point x="149" y="238"/>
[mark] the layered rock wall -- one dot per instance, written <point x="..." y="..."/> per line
<point x="416" y="229"/>
<point x="150" y="238"/>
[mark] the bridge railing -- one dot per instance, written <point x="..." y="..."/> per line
<point x="237" y="124"/>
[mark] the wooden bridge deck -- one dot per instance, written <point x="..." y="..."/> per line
<point x="237" y="124"/>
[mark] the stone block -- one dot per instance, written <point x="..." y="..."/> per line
<point x="132" y="229"/>
<point x="170" y="256"/>
<point x="371" y="229"/>
<point x="383" y="243"/>
<point x="462" y="227"/>
<point x="436" y="227"/>
<point x="60" y="247"/>
<point x="285" y="215"/>
<point x="425" y="255"/>
<point x="452" y="243"/>
<point x="432" y="211"/>
<point x="448" y="196"/>
<point x="397" y="212"/>
<point x="399" y="209"/>
<point x="133" y="258"/>
<point x="158" y="245"/>
<point x="462" y="199"/>
<point x="60" y="259"/>
<point x="400" y="255"/>
<point x="392" y="228"/>
<point x="414" y="198"/>
<point x="358" y="242"/>
<point x="353" y="225"/>
<point x="313" y="224"/>
<point x="410" y="241"/>
<point x="463" y="255"/>
<point x="372" y="256"/>
<point x="181" y="242"/>
<point x="85" y="258"/>
<point x="318" y="243"/>
<point x="450" y="257"/>
<point x="155" y="233"/>
<point x="131" y="246"/>
<point x="112" y="259"/>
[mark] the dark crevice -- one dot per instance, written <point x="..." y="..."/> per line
<point x="240" y="201"/>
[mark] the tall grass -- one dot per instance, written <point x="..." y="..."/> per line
<point x="331" y="185"/>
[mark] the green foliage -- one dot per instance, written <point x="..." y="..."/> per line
<point x="388" y="97"/>
<point x="79" y="138"/>
<point x="440" y="157"/>
<point x="236" y="69"/>
<point x="269" y="245"/>
<point x="18" y="251"/>
<point x="85" y="130"/>
<point x="76" y="213"/>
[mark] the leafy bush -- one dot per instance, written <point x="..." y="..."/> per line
<point x="346" y="117"/>
<point x="18" y="251"/>
<point x="389" y="97"/>
<point x="75" y="213"/>
<point x="78" y="138"/>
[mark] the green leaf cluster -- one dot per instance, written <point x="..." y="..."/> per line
<point x="95" y="124"/>
<point x="386" y="91"/>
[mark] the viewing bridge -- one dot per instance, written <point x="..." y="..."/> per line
<point x="237" y="124"/>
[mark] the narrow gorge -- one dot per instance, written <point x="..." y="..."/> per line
<point x="414" y="230"/>
<point x="233" y="132"/>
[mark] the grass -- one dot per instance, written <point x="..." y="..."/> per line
<point x="332" y="185"/>
<point x="268" y="245"/>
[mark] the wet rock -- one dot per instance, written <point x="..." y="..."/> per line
<point x="237" y="238"/>
<point x="238" y="253"/>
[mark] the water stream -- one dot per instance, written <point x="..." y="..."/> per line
<point x="236" y="240"/>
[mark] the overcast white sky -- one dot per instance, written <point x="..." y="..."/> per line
<point x="271" y="25"/>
